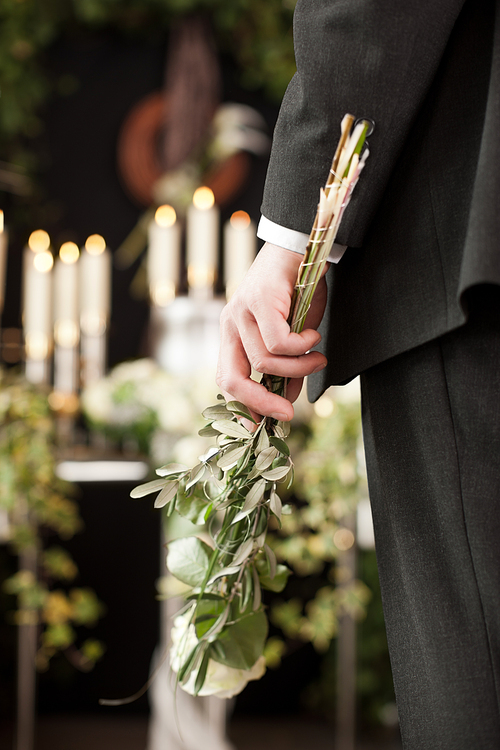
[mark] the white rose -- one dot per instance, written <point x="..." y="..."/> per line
<point x="137" y="369"/>
<point x="97" y="401"/>
<point x="221" y="681"/>
<point x="175" y="414"/>
<point x="152" y="391"/>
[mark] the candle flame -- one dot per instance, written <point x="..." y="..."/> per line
<point x="69" y="252"/>
<point x="1" y="221"/>
<point x="37" y="345"/>
<point x="95" y="244"/>
<point x="200" y="277"/>
<point x="66" y="333"/>
<point x="43" y="261"/>
<point x="162" y="293"/>
<point x="203" y="198"/>
<point x="240" y="220"/>
<point x="67" y="403"/>
<point x="39" y="241"/>
<point x="165" y="216"/>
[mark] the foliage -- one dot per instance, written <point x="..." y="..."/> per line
<point x="330" y="480"/>
<point x="233" y="488"/>
<point x="37" y="503"/>
<point x="233" y="491"/>
<point x="256" y="35"/>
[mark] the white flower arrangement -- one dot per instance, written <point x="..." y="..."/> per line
<point x="221" y="681"/>
<point x="139" y="399"/>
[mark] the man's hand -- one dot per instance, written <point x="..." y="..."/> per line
<point x="255" y="333"/>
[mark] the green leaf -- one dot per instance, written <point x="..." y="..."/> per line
<point x="280" y="444"/>
<point x="275" y="504"/>
<point x="257" y="594"/>
<point x="232" y="429"/>
<point x="87" y="608"/>
<point x="229" y="571"/>
<point x="195" y="594"/>
<point x="218" y="625"/>
<point x="255" y="494"/>
<point x="193" y="508"/>
<point x="271" y="557"/>
<point x="148" y="488"/>
<point x="167" y="494"/>
<point x="207" y="613"/>
<point x="238" y="408"/>
<point x="165" y="471"/>
<point x="279" y="581"/>
<point x="188" y="560"/>
<point x="59" y="564"/>
<point x="244" y="551"/>
<point x="218" y="411"/>
<point x="247" y="589"/>
<point x="262" y="441"/>
<point x="241" y="515"/>
<point x="59" y="635"/>
<point x="282" y="429"/>
<point x="196" y="475"/>
<point x="274" y="475"/>
<point x="243" y="463"/>
<point x="202" y="673"/>
<point x="241" y="644"/>
<point x="231" y="456"/>
<point x="208" y="431"/>
<point x="265" y="458"/>
<point x="186" y="669"/>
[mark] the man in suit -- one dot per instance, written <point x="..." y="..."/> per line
<point x="414" y="306"/>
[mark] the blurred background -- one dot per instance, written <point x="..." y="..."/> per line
<point x="134" y="143"/>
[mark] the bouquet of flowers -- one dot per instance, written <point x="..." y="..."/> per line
<point x="219" y="635"/>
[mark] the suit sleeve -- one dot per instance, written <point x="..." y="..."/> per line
<point x="371" y="58"/>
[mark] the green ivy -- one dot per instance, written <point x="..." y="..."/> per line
<point x="256" y="34"/>
<point x="38" y="504"/>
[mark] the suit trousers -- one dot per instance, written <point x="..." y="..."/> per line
<point x="431" y="424"/>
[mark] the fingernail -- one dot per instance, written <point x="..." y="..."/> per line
<point x="279" y="417"/>
<point x="320" y="367"/>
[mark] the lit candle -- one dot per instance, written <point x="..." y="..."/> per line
<point x="202" y="236"/>
<point x="240" y="246"/>
<point x="3" y="260"/>
<point x="163" y="260"/>
<point x="95" y="303"/>
<point x="66" y="319"/>
<point x="37" y="312"/>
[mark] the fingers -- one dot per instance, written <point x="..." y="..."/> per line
<point x="234" y="379"/>
<point x="289" y="356"/>
<point x="255" y="334"/>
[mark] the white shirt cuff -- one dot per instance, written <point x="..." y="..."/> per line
<point x="290" y="239"/>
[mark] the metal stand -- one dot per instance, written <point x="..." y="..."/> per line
<point x="26" y="671"/>
<point x="345" y="738"/>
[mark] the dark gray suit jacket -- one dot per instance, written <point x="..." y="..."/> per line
<point x="424" y="222"/>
